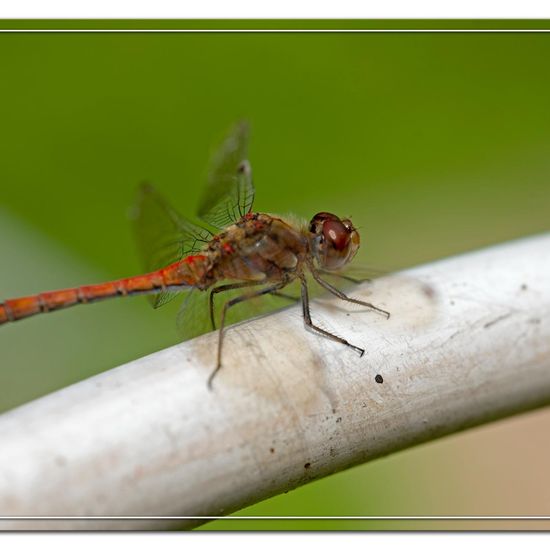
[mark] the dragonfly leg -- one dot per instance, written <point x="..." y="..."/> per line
<point x="231" y="303"/>
<point x="355" y="280"/>
<point x="224" y="288"/>
<point x="342" y="296"/>
<point x="285" y="296"/>
<point x="309" y="323"/>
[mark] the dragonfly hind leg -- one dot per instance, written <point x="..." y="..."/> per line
<point x="230" y="303"/>
<point x="286" y="296"/>
<point x="309" y="323"/>
<point x="225" y="288"/>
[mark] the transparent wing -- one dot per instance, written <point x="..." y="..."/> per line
<point x="163" y="236"/>
<point x="229" y="193"/>
<point x="194" y="314"/>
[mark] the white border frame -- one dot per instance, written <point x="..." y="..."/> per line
<point x="232" y="518"/>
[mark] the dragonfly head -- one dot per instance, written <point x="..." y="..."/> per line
<point x="334" y="242"/>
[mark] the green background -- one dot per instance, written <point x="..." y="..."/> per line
<point x="435" y="143"/>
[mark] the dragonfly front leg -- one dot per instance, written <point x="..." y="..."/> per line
<point x="231" y="303"/>
<point x="309" y="323"/>
<point x="355" y="280"/>
<point x="342" y="296"/>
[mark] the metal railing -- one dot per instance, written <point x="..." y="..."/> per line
<point x="468" y="342"/>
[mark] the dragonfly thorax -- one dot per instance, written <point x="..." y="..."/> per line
<point x="258" y="247"/>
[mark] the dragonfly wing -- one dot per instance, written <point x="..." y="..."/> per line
<point x="163" y="236"/>
<point x="194" y="314"/>
<point x="163" y="297"/>
<point x="193" y="318"/>
<point x="229" y="193"/>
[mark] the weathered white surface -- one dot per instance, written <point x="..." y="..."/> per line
<point x="468" y="342"/>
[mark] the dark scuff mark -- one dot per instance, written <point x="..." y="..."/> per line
<point x="428" y="291"/>
<point x="497" y="320"/>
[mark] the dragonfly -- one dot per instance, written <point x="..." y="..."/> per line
<point x="235" y="249"/>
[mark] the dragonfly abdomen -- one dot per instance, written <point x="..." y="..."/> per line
<point x="26" y="306"/>
<point x="185" y="273"/>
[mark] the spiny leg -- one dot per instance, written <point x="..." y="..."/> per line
<point x="343" y="296"/>
<point x="224" y="288"/>
<point x="346" y="277"/>
<point x="286" y="296"/>
<point x="319" y="330"/>
<point x="231" y="303"/>
<point x="355" y="278"/>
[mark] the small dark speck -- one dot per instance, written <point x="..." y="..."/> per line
<point x="523" y="286"/>
<point x="378" y="378"/>
<point x="307" y="465"/>
<point x="347" y="314"/>
<point x="452" y="302"/>
<point x="428" y="291"/>
<point x="271" y="450"/>
<point x="333" y="411"/>
<point x="339" y="419"/>
<point x="534" y="321"/>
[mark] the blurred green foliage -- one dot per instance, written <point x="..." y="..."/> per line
<point x="434" y="143"/>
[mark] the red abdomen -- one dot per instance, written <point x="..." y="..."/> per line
<point x="189" y="272"/>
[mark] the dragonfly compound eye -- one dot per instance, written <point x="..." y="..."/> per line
<point x="335" y="241"/>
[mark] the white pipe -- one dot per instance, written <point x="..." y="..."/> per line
<point x="468" y="342"/>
